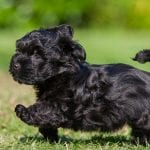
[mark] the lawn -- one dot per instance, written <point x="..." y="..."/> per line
<point x="102" y="47"/>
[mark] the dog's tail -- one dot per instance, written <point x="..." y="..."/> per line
<point x="142" y="56"/>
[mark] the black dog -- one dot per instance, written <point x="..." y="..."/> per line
<point x="73" y="94"/>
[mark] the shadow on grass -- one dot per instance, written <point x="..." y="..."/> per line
<point x="103" y="140"/>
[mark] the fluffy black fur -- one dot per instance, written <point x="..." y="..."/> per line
<point x="143" y="56"/>
<point x="74" y="94"/>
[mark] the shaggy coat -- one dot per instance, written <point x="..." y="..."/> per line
<point x="74" y="94"/>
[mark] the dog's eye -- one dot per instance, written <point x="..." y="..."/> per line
<point x="30" y="53"/>
<point x="36" y="53"/>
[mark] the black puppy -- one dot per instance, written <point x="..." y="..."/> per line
<point x="74" y="94"/>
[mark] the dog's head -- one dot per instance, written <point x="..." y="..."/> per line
<point x="44" y="53"/>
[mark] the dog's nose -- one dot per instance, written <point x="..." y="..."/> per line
<point x="17" y="66"/>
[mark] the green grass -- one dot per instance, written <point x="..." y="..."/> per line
<point x="102" y="47"/>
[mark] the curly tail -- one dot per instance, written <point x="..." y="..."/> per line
<point x="143" y="56"/>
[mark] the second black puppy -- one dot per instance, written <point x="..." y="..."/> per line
<point x="73" y="94"/>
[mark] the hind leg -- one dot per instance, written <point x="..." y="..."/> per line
<point x="141" y="129"/>
<point x="141" y="136"/>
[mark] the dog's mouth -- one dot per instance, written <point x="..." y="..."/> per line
<point x="28" y="79"/>
<point x="23" y="80"/>
<point x="28" y="75"/>
<point x="22" y="76"/>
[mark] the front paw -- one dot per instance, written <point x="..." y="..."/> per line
<point x="22" y="112"/>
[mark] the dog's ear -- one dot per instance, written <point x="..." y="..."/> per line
<point x="78" y="52"/>
<point x="65" y="30"/>
<point x="72" y="48"/>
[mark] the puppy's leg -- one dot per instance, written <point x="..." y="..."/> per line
<point x="49" y="133"/>
<point x="141" y="136"/>
<point x="141" y="129"/>
<point x="40" y="114"/>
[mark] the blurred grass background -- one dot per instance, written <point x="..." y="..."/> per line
<point x="110" y="31"/>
